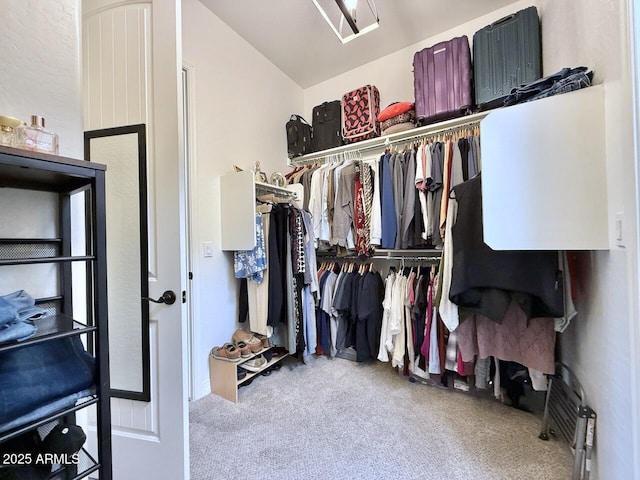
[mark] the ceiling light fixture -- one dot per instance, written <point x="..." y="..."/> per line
<point x="349" y="19"/>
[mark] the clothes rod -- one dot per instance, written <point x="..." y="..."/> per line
<point x="420" y="255"/>
<point x="369" y="259"/>
<point x="391" y="253"/>
<point x="415" y="259"/>
<point x="355" y="149"/>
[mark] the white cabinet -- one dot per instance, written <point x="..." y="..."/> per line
<point x="544" y="174"/>
<point x="238" y="202"/>
<point x="238" y="215"/>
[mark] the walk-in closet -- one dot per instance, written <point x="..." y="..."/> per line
<point x="347" y="239"/>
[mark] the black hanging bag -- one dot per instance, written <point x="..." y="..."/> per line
<point x="327" y="125"/>
<point x="299" y="136"/>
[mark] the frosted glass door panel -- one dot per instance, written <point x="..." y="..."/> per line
<point x="122" y="150"/>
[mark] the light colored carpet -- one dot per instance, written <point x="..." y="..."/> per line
<point x="335" y="419"/>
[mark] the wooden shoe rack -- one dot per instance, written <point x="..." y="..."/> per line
<point x="223" y="374"/>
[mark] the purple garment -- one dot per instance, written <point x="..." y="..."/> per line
<point x="528" y="342"/>
<point x="427" y="331"/>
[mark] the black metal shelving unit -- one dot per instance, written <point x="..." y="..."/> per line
<point x="21" y="169"/>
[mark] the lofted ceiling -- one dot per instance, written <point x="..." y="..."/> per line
<point x="293" y="35"/>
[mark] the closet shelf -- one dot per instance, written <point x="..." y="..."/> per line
<point x="266" y="187"/>
<point x="379" y="142"/>
<point x="223" y="374"/>
<point x="40" y="171"/>
<point x="32" y="260"/>
<point x="42" y="300"/>
<point x="388" y="253"/>
<point x="90" y="400"/>
<point x="50" y="328"/>
<point x="18" y="241"/>
<point x="270" y="363"/>
<point x="86" y="465"/>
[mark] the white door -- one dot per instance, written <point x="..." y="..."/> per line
<point x="132" y="64"/>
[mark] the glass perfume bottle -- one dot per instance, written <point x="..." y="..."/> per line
<point x="36" y="137"/>
<point x="7" y="130"/>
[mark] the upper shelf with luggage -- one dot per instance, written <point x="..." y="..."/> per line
<point x="506" y="69"/>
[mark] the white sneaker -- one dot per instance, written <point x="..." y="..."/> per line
<point x="255" y="364"/>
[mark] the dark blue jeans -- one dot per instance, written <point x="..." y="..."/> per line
<point x="39" y="374"/>
<point x="563" y="81"/>
<point x="17" y="306"/>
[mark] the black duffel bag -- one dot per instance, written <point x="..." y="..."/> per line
<point x="299" y="136"/>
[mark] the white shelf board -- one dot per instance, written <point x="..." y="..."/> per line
<point x="380" y="142"/>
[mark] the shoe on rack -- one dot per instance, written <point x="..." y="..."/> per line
<point x="245" y="350"/>
<point x="227" y="352"/>
<point x="279" y="351"/>
<point x="241" y="336"/>
<point x="241" y="373"/>
<point x="248" y="382"/>
<point x="264" y="339"/>
<point x="249" y="338"/>
<point x="255" y="364"/>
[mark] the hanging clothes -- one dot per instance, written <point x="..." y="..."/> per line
<point x="486" y="281"/>
<point x="409" y="199"/>
<point x="397" y="171"/>
<point x="375" y="224"/>
<point x="389" y="222"/>
<point x="252" y="263"/>
<point x="369" y="318"/>
<point x="277" y="246"/>
<point x="386" y="337"/>
<point x="435" y="187"/>
<point x="396" y="201"/>
<point x="528" y="341"/>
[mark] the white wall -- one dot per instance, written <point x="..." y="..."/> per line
<point x="240" y="103"/>
<point x="393" y="74"/>
<point x="596" y="346"/>
<point x="40" y="75"/>
<point x="40" y="72"/>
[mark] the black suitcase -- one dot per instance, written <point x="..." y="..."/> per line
<point x="327" y="126"/>
<point x="506" y="54"/>
<point x="299" y="136"/>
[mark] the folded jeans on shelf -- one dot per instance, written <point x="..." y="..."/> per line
<point x="18" y="306"/>
<point x="16" y="331"/>
<point x="46" y="410"/>
<point x="562" y="81"/>
<point x="35" y="375"/>
<point x="8" y="313"/>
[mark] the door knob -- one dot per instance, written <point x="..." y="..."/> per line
<point x="168" y="298"/>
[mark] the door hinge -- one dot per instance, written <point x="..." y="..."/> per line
<point x="190" y="275"/>
<point x="184" y="296"/>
